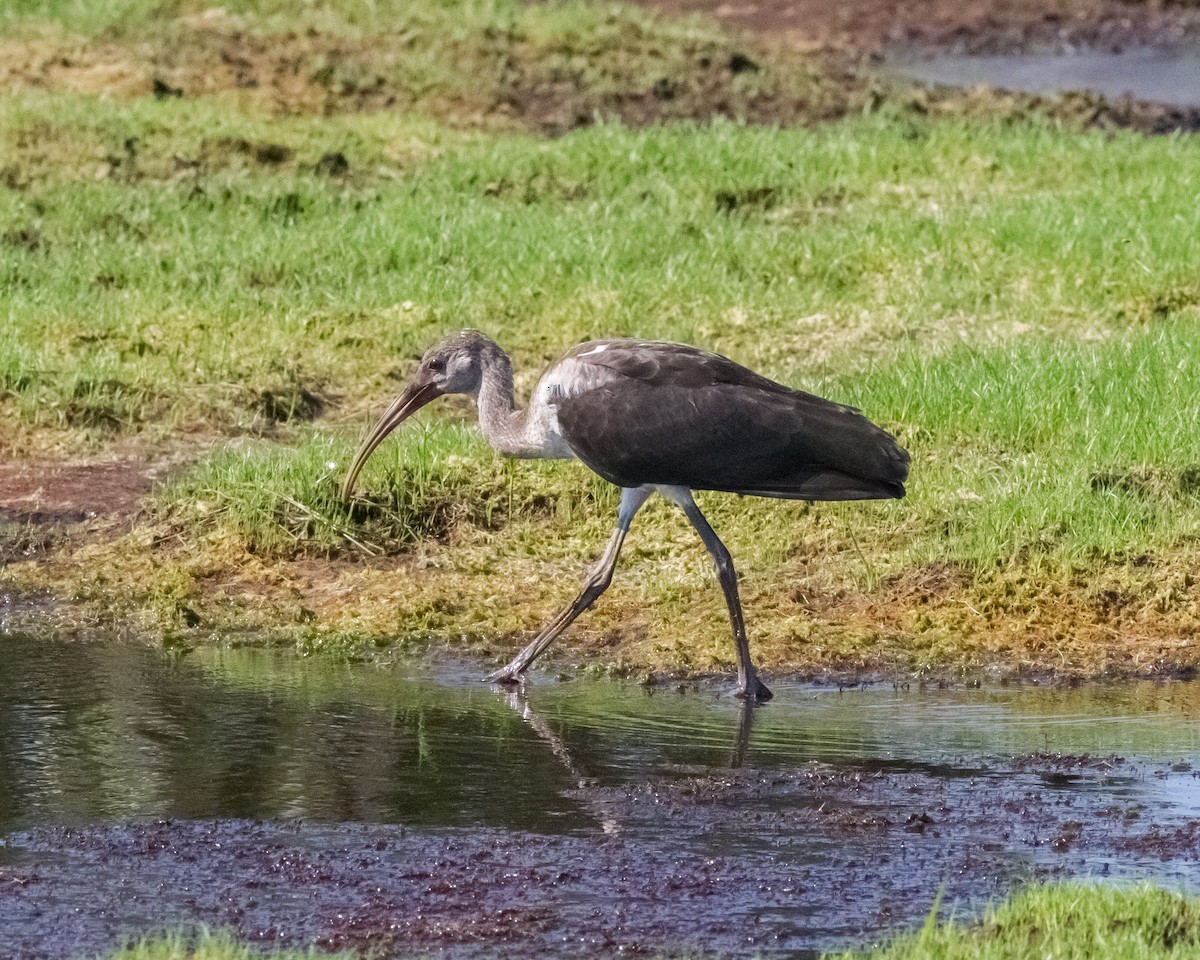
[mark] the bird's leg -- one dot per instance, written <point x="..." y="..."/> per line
<point x="632" y="499"/>
<point x="596" y="583"/>
<point x="749" y="686"/>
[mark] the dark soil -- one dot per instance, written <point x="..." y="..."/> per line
<point x="975" y="26"/>
<point x="54" y="492"/>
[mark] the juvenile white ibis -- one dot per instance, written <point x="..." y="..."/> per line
<point x="652" y="416"/>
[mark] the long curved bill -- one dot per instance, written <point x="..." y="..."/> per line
<point x="414" y="397"/>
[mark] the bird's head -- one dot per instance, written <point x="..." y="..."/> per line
<point x="452" y="365"/>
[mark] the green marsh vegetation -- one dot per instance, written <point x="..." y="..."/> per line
<point x="1067" y="922"/>
<point x="211" y="946"/>
<point x="249" y="272"/>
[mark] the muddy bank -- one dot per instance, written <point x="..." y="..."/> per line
<point x="95" y="580"/>
<point x="855" y="38"/>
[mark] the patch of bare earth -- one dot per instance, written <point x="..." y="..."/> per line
<point x="42" y="499"/>
<point x="967" y="26"/>
<point x="50" y="492"/>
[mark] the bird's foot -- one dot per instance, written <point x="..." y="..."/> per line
<point x="510" y="676"/>
<point x="754" y="690"/>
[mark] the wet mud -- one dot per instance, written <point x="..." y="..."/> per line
<point x="420" y="813"/>
<point x="738" y="864"/>
<point x="1097" y="63"/>
<point x="869" y="27"/>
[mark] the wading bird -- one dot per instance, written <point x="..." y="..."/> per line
<point x="666" y="417"/>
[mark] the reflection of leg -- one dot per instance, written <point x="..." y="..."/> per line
<point x="539" y="726"/>
<point x="749" y="685"/>
<point x="742" y="743"/>
<point x="632" y="499"/>
<point x="584" y="783"/>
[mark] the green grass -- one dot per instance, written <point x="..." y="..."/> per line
<point x="130" y="306"/>
<point x="1064" y="922"/>
<point x="993" y="294"/>
<point x="278" y="501"/>
<point x="445" y="20"/>
<point x="1017" y="302"/>
<point x="1051" y="452"/>
<point x="211" y="946"/>
<point x="1093" y="471"/>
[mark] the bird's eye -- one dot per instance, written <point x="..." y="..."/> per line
<point x="437" y="365"/>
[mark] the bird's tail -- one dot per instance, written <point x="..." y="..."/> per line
<point x="826" y="485"/>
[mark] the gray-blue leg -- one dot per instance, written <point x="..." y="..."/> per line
<point x="749" y="686"/>
<point x="632" y="500"/>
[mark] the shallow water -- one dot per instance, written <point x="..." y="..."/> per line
<point x="414" y="809"/>
<point x="1159" y="75"/>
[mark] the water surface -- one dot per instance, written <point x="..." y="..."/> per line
<point x="1166" y="76"/>
<point x="415" y="809"/>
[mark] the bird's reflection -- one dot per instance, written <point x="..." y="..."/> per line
<point x="741" y="742"/>
<point x="518" y="700"/>
<point x="594" y="799"/>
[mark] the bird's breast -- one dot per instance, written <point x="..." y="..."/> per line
<point x="566" y="379"/>
<point x="572" y="376"/>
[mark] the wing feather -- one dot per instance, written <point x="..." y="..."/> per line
<point x="669" y="414"/>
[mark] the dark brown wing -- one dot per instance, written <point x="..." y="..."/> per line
<point x="672" y="414"/>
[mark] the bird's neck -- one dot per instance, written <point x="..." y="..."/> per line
<point x="501" y="423"/>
